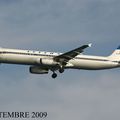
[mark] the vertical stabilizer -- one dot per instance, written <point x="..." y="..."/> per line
<point x="115" y="56"/>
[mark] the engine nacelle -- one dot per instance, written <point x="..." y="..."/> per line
<point x="38" y="70"/>
<point x="48" y="62"/>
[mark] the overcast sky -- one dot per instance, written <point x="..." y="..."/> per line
<point x="61" y="25"/>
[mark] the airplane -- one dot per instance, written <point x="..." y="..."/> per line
<point x="42" y="62"/>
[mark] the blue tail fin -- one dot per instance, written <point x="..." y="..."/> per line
<point x="115" y="55"/>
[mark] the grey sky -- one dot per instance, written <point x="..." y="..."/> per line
<point x="60" y="26"/>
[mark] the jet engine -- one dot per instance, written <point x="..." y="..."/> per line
<point x="38" y="70"/>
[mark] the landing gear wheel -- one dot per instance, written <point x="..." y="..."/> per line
<point x="54" y="75"/>
<point x="61" y="70"/>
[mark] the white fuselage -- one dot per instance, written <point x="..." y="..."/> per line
<point x="28" y="57"/>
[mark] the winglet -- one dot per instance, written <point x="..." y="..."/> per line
<point x="90" y="44"/>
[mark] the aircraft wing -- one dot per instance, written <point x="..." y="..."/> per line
<point x="64" y="58"/>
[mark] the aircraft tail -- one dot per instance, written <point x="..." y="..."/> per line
<point x="115" y="56"/>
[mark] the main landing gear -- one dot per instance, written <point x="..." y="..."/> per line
<point x="61" y="70"/>
<point x="54" y="75"/>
